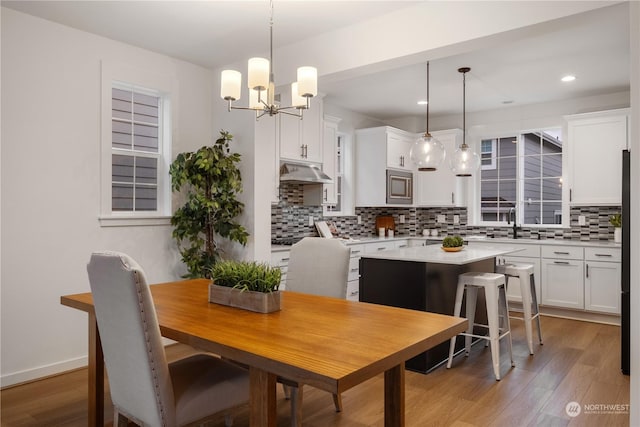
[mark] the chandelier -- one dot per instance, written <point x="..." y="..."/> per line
<point x="427" y="153"/>
<point x="262" y="88"/>
<point x="464" y="161"/>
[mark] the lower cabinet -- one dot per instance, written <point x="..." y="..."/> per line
<point x="562" y="284"/>
<point x="281" y="259"/>
<point x="353" y="281"/>
<point x="602" y="275"/>
<point x="562" y="276"/>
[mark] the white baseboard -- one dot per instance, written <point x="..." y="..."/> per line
<point x="41" y="372"/>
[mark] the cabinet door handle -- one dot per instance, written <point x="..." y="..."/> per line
<point x="285" y="259"/>
<point x="402" y="246"/>
<point x="354" y="270"/>
<point x="452" y="201"/>
<point x="326" y="197"/>
<point x="355" y="252"/>
<point x="381" y="249"/>
<point x="561" y="262"/>
<point x="587" y="269"/>
<point x="561" y="253"/>
<point x="604" y="255"/>
<point x="354" y="293"/>
<point x="570" y="195"/>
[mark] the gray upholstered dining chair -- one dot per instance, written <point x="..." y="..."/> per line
<point x="144" y="387"/>
<point x="317" y="266"/>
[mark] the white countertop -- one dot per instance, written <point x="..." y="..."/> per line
<point x="478" y="238"/>
<point x="435" y="254"/>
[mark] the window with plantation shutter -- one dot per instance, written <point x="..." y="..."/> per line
<point x="135" y="144"/>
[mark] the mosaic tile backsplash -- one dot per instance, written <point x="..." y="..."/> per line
<point x="290" y="219"/>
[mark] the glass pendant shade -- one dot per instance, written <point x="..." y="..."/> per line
<point x="427" y="153"/>
<point x="464" y="161"/>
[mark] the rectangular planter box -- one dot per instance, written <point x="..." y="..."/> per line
<point x="260" y="302"/>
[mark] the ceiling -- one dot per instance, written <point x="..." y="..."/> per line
<point x="594" y="46"/>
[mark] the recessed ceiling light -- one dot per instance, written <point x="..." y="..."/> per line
<point x="423" y="102"/>
<point x="568" y="78"/>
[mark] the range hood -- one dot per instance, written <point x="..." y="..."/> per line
<point x="303" y="174"/>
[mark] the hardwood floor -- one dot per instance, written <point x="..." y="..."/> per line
<point x="579" y="362"/>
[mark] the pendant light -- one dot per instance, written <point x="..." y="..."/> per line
<point x="464" y="161"/>
<point x="427" y="153"/>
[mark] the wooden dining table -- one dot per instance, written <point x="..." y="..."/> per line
<point x="328" y="343"/>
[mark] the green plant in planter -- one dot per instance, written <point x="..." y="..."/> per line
<point x="246" y="276"/>
<point x="616" y="220"/>
<point x="452" y="242"/>
<point x="212" y="182"/>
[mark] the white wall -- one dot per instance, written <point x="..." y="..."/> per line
<point x="50" y="184"/>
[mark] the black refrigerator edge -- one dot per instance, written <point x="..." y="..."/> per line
<point x="625" y="350"/>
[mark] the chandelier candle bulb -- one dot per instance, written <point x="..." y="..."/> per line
<point x="297" y="101"/>
<point x="254" y="102"/>
<point x="258" y="70"/>
<point x="230" y="85"/>
<point x="307" y="81"/>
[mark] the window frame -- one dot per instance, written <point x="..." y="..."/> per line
<point x="147" y="82"/>
<point x="346" y="174"/>
<point x="520" y="179"/>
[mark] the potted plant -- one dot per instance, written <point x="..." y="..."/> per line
<point x="243" y="284"/>
<point x="452" y="243"/>
<point x="616" y="221"/>
<point x="212" y="182"/>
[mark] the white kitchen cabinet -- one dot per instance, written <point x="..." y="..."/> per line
<point x="379" y="149"/>
<point x="398" y="150"/>
<point x="353" y="281"/>
<point x="595" y="142"/>
<point x="301" y="140"/>
<point x="441" y="187"/>
<point x="602" y="280"/>
<point x="280" y="259"/>
<point x="330" y="159"/>
<point x="562" y="276"/>
<point x="374" y="247"/>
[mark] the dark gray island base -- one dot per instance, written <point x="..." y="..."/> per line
<point x="408" y="278"/>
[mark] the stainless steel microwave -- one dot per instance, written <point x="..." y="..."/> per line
<point x="399" y="187"/>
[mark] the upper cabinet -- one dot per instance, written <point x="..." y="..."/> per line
<point x="330" y="159"/>
<point x="441" y="187"/>
<point x="595" y="144"/>
<point x="379" y="149"/>
<point x="301" y="140"/>
<point x="398" y="149"/>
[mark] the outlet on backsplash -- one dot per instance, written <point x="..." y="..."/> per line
<point x="582" y="220"/>
<point x="456" y="219"/>
<point x="442" y="219"/>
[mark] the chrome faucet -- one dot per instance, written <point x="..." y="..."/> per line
<point x="510" y="219"/>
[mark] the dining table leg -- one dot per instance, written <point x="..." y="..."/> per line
<point x="96" y="374"/>
<point x="394" y="396"/>
<point x="262" y="398"/>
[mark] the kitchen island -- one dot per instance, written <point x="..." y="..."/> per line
<point x="424" y="278"/>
